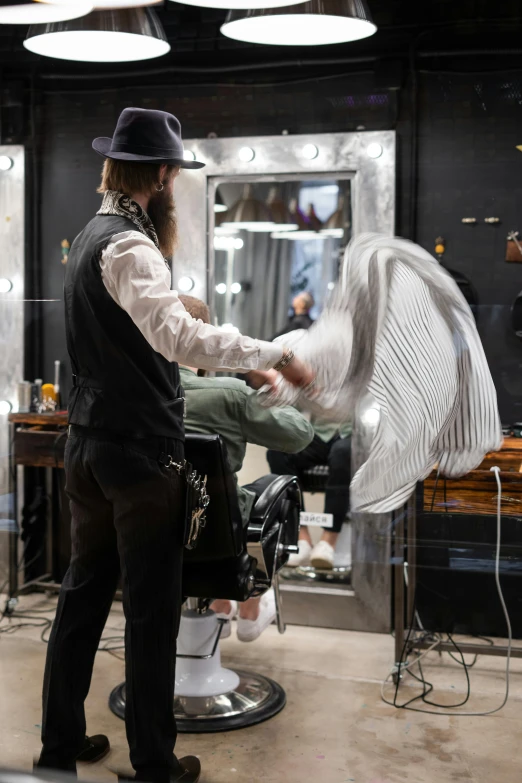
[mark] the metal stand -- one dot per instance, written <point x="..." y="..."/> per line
<point x="404" y="563"/>
<point x="208" y="697"/>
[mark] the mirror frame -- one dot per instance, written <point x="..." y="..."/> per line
<point x="345" y="154"/>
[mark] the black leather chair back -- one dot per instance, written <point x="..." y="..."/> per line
<point x="219" y="566"/>
<point x="223" y="535"/>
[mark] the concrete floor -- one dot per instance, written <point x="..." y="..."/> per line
<point x="334" y="729"/>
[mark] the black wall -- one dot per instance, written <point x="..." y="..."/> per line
<point x="467" y="129"/>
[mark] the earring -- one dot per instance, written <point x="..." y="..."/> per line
<point x="160" y="188"/>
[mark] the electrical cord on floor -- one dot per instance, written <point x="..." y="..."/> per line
<point x="428" y="687"/>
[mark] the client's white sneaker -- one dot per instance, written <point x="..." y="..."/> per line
<point x="302" y="558"/>
<point x="250" y="630"/>
<point x="322" y="555"/>
<point x="227" y="628"/>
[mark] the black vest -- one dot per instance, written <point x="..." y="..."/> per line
<point x="120" y="382"/>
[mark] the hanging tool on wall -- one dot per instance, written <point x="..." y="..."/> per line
<point x="513" y="248"/>
<point x="440" y="248"/>
<point x="65" y="250"/>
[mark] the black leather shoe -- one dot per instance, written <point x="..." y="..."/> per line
<point x="94" y="749"/>
<point x="191" y="770"/>
<point x="187" y="770"/>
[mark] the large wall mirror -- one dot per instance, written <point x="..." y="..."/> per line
<point x="274" y="240"/>
<point x="265" y="221"/>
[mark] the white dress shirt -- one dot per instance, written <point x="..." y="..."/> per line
<point x="137" y="278"/>
<point x="398" y="329"/>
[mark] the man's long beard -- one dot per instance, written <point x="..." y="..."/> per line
<point x="162" y="212"/>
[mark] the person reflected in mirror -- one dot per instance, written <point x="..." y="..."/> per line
<point x="229" y="408"/>
<point x="301" y="306"/>
<point x="331" y="446"/>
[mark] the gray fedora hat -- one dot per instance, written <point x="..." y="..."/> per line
<point x="147" y="136"/>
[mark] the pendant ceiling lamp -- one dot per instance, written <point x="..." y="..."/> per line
<point x="33" y="12"/>
<point x="219" y="204"/>
<point x="313" y="23"/>
<point x="249" y="213"/>
<point x="103" y="36"/>
<point x="236" y="4"/>
<point x="337" y="223"/>
<point x="119" y="5"/>
<point x="280" y="213"/>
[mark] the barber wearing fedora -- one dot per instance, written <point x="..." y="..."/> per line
<point x="126" y="332"/>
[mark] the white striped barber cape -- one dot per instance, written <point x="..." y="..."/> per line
<point x="398" y="328"/>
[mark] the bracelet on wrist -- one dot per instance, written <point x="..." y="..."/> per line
<point x="287" y="357"/>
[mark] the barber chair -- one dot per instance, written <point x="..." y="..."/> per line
<point x="314" y="479"/>
<point x="235" y="562"/>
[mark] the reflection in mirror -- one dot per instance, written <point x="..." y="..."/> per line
<point x="273" y="243"/>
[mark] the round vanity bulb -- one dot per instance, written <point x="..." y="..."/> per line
<point x="5" y="407"/>
<point x="371" y="417"/>
<point x="221" y="288"/>
<point x="374" y="150"/>
<point x="230" y="328"/>
<point x="235" y="288"/>
<point x="185" y="284"/>
<point x="331" y="286"/>
<point x="6" y="163"/>
<point x="310" y="151"/>
<point x="189" y="155"/>
<point x="5" y="285"/>
<point x="246" y="154"/>
<point x="238" y="244"/>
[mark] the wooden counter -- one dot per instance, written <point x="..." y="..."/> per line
<point x="39" y="438"/>
<point x="476" y="493"/>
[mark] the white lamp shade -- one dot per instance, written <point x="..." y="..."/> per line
<point x="243" y="4"/>
<point x="42" y="13"/>
<point x="117" y="5"/>
<point x="103" y="36"/>
<point x="314" y="23"/>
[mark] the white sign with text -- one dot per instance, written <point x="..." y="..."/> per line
<point x="308" y="518"/>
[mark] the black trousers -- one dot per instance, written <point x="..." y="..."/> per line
<point x="126" y="517"/>
<point x="337" y="455"/>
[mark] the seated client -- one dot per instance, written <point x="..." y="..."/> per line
<point x="227" y="407"/>
<point x="331" y="446"/>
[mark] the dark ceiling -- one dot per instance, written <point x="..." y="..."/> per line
<point x="473" y="31"/>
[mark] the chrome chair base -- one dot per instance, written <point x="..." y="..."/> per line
<point x="256" y="699"/>
<point x="338" y="575"/>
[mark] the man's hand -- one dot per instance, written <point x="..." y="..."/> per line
<point x="258" y="378"/>
<point x="297" y="373"/>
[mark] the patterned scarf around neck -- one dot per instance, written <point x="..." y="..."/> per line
<point x="115" y="203"/>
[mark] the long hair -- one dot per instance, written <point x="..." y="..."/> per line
<point x="130" y="177"/>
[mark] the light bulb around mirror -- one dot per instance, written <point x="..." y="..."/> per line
<point x="185" y="284"/>
<point x="6" y="163"/>
<point x="371" y="417"/>
<point x="5" y="407"/>
<point x="5" y="285"/>
<point x="230" y="328"/>
<point x="374" y="150"/>
<point x="246" y="154"/>
<point x="310" y="151"/>
<point x="235" y="288"/>
<point x="221" y="288"/>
